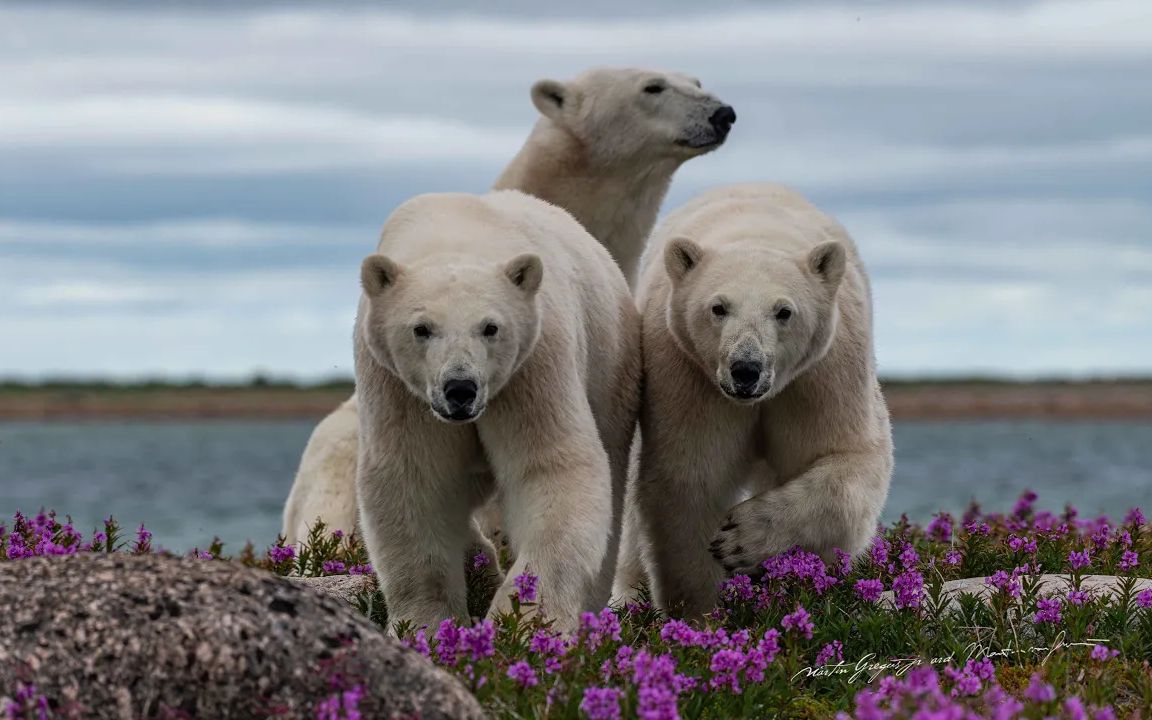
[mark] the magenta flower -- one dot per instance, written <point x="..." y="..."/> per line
<point x="1144" y="598"/>
<point x="953" y="557"/>
<point x="832" y="651"/>
<point x="1103" y="652"/>
<point x="909" y="557"/>
<point x="1079" y="560"/>
<point x="281" y="553"/>
<point x="333" y="567"/>
<point x="908" y="588"/>
<point x="869" y="590"/>
<point x="480" y="640"/>
<point x="526" y="587"/>
<point x="1078" y="597"/>
<point x="940" y="528"/>
<point x="844" y="560"/>
<point x="597" y="628"/>
<point x="523" y="674"/>
<point x="1135" y="517"/>
<point x="799" y="621"/>
<point x="365" y="569"/>
<point x="726" y="666"/>
<point x="1129" y="561"/>
<point x="1026" y="544"/>
<point x="419" y="642"/>
<point x="480" y="561"/>
<point x="1047" y="611"/>
<point x="1039" y="691"/>
<point x="601" y="703"/>
<point x="1024" y="505"/>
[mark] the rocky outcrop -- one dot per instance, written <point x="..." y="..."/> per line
<point x="120" y="636"/>
<point x="348" y="588"/>
<point x="1108" y="586"/>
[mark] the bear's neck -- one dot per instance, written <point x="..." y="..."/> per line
<point x="617" y="204"/>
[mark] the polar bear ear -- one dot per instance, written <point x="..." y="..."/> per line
<point x="828" y="260"/>
<point x="549" y="97"/>
<point x="377" y="273"/>
<point x="525" y="272"/>
<point x="680" y="256"/>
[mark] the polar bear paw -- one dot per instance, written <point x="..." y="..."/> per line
<point x="753" y="530"/>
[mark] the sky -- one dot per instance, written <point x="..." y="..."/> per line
<point x="188" y="190"/>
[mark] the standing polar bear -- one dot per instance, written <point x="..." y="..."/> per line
<point x="605" y="149"/>
<point x="497" y="348"/>
<point x="759" y="380"/>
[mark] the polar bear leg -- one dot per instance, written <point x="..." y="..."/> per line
<point x="695" y="454"/>
<point x="325" y="484"/>
<point x="416" y="505"/>
<point x="555" y="484"/>
<point x="834" y="504"/>
<point x="630" y="573"/>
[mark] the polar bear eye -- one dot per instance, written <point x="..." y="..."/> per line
<point x="654" y="88"/>
<point x="490" y="330"/>
<point x="783" y="314"/>
<point x="719" y="310"/>
<point x="422" y="332"/>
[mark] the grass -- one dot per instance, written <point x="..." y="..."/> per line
<point x="807" y="640"/>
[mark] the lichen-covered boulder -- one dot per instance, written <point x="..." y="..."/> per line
<point x="122" y="636"/>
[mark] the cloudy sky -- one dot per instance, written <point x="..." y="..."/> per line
<point x="189" y="190"/>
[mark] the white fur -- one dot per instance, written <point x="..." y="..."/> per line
<point x="726" y="481"/>
<point x="606" y="154"/>
<point x="508" y="293"/>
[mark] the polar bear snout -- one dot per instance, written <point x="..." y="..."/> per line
<point x="746" y="380"/>
<point x="459" y="400"/>
<point x="721" y="121"/>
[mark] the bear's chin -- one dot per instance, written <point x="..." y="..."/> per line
<point x="457" y="418"/>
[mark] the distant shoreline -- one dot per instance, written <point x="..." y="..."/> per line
<point x="908" y="400"/>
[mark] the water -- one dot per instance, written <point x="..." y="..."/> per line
<point x="190" y="481"/>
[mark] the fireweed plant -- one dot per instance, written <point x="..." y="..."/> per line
<point x="875" y="638"/>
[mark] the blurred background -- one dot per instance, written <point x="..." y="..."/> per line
<point x="186" y="191"/>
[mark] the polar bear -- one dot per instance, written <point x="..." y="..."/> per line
<point x="762" y="420"/>
<point x="497" y="348"/>
<point x="605" y="149"/>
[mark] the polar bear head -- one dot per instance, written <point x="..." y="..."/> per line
<point x="453" y="331"/>
<point x="620" y="115"/>
<point x="753" y="317"/>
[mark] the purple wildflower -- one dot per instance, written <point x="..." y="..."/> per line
<point x="799" y="621"/>
<point x="1135" y="517"/>
<point x="1144" y="598"/>
<point x="480" y="639"/>
<point x="869" y="590"/>
<point x="908" y="588"/>
<point x="1039" y="691"/>
<point x="832" y="651"/>
<point x="526" y="587"/>
<point x="365" y="569"/>
<point x="596" y="628"/>
<point x="940" y="528"/>
<point x="1079" y="560"/>
<point x="1103" y="652"/>
<point x="601" y="703"/>
<point x="953" y="557"/>
<point x="726" y="665"/>
<point x="480" y="561"/>
<point x="1047" y="611"/>
<point x="281" y="553"/>
<point x="1129" y="561"/>
<point x="1078" y="597"/>
<point x="523" y="674"/>
<point x="334" y="567"/>
<point x="1024" y="505"/>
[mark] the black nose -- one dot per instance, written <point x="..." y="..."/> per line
<point x="722" y="120"/>
<point x="460" y="394"/>
<point x="745" y="374"/>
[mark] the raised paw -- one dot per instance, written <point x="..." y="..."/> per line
<point x="749" y="534"/>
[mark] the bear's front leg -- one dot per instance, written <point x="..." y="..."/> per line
<point x="834" y="504"/>
<point x="695" y="449"/>
<point x="556" y="490"/>
<point x="415" y="513"/>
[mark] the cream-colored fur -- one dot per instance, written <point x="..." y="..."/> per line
<point x="508" y="297"/>
<point x="603" y="149"/>
<point x="737" y="465"/>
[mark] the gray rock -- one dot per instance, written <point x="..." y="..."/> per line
<point x="347" y="588"/>
<point x="120" y="636"/>
<point x="1050" y="584"/>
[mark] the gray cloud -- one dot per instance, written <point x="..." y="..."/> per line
<point x="188" y="188"/>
